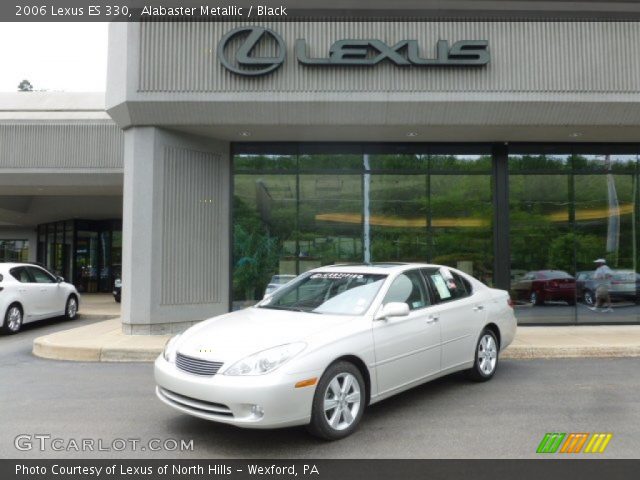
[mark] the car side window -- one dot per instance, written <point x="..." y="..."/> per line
<point x="468" y="289"/>
<point x="40" y="276"/>
<point x="20" y="274"/>
<point x="409" y="288"/>
<point x="447" y="285"/>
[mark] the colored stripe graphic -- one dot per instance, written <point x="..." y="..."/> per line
<point x="574" y="443"/>
<point x="598" y="443"/>
<point x="550" y="443"/>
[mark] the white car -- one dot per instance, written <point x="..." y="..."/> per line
<point x="331" y="342"/>
<point x="29" y="292"/>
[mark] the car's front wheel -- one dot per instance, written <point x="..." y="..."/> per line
<point x="12" y="319"/>
<point x="71" y="310"/>
<point x="338" y="403"/>
<point x="486" y="357"/>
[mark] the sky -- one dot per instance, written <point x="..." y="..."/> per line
<point x="69" y="57"/>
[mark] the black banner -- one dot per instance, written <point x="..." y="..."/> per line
<point x="294" y="10"/>
<point x="319" y="469"/>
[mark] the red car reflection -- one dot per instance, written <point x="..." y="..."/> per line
<point x="545" y="286"/>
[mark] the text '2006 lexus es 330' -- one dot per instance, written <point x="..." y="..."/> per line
<point x="334" y="340"/>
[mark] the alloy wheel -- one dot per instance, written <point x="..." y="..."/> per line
<point x="14" y="319"/>
<point x="588" y="298"/>
<point x="487" y="354"/>
<point x="342" y="401"/>
<point x="72" y="307"/>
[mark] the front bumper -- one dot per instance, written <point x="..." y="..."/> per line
<point x="231" y="399"/>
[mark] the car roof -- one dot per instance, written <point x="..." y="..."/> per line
<point x="10" y="265"/>
<point x="375" y="268"/>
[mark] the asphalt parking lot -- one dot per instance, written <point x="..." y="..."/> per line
<point x="448" y="418"/>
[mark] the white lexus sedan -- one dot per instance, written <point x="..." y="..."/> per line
<point x="331" y="342"/>
<point x="29" y="293"/>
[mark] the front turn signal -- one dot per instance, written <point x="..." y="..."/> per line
<point x="309" y="382"/>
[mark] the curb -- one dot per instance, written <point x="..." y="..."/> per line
<point x="44" y="348"/>
<point x="99" y="342"/>
<point x="520" y="352"/>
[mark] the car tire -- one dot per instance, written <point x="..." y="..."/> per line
<point x="117" y="299"/>
<point x="571" y="303"/>
<point x="535" y="299"/>
<point x="71" y="308"/>
<point x="485" y="357"/>
<point x="13" y="319"/>
<point x="341" y="385"/>
<point x="589" y="299"/>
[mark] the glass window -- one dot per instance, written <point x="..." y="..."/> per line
<point x="21" y="274"/>
<point x="460" y="162"/>
<point x="566" y="211"/>
<point x="409" y="288"/>
<point x="40" y="276"/>
<point x="461" y="222"/>
<point x="398" y="217"/>
<point x="265" y="213"/>
<point x="14" y="250"/>
<point x="329" y="220"/>
<point x="446" y="284"/>
<point x="340" y="293"/>
<point x="337" y="203"/>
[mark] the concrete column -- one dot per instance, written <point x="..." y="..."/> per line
<point x="175" y="259"/>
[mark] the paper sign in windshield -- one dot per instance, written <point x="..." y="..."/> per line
<point x="337" y="275"/>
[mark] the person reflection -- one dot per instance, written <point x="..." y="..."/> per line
<point x="602" y="276"/>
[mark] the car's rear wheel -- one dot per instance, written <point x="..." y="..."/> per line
<point x="535" y="299"/>
<point x="589" y="298"/>
<point x="71" y="310"/>
<point x="338" y="403"/>
<point x="486" y="357"/>
<point x="12" y="319"/>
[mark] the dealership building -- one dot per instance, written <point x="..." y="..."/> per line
<point x="226" y="153"/>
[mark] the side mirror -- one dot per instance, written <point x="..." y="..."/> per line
<point x="59" y="279"/>
<point x="393" y="309"/>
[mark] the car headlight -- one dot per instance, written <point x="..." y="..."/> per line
<point x="266" y="361"/>
<point x="169" y="352"/>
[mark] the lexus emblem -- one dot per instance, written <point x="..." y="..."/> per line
<point x="237" y="51"/>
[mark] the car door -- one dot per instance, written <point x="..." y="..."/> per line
<point x="28" y="293"/>
<point x="48" y="300"/>
<point x="462" y="314"/>
<point x="407" y="349"/>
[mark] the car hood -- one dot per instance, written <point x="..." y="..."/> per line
<point x="231" y="337"/>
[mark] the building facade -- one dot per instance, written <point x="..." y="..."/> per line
<point x="506" y="148"/>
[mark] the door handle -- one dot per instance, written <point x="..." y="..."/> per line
<point x="477" y="308"/>
<point x="432" y="319"/>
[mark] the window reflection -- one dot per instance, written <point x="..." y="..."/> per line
<point x="296" y="212"/>
<point x="567" y="211"/>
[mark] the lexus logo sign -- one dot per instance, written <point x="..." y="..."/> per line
<point x="244" y="60"/>
<point x="258" y="50"/>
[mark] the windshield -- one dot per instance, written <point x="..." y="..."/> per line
<point x="327" y="292"/>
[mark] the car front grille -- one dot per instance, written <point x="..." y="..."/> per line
<point x="197" y="366"/>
